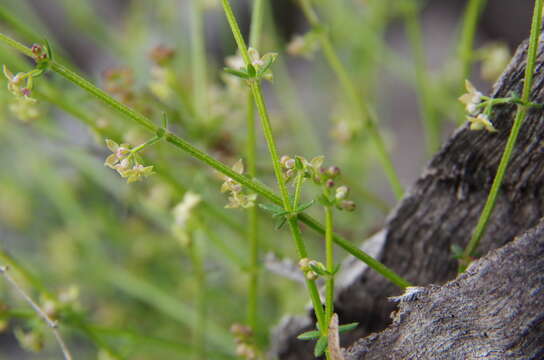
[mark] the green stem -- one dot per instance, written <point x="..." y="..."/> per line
<point x="256" y="28"/>
<point x="310" y="284"/>
<point x="329" y="255"/>
<point x="518" y="120"/>
<point x="236" y="31"/>
<point x="198" y="59"/>
<point x="150" y="142"/>
<point x="298" y="188"/>
<point x="181" y="144"/>
<point x="361" y="109"/>
<point x="415" y="37"/>
<point x="267" y="129"/>
<point x="200" y="300"/>
<point x="16" y="45"/>
<point x="466" y="42"/>
<point x="251" y="153"/>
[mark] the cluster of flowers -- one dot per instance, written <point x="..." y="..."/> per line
<point x="124" y="161"/>
<point x="237" y="196"/>
<point x="243" y="336"/>
<point x="261" y="64"/>
<point x="315" y="171"/>
<point x="20" y="85"/>
<point x="472" y="100"/>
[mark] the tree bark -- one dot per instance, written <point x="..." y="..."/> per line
<point x="495" y="310"/>
<point x="441" y="209"/>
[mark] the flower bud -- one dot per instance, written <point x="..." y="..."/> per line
<point x="284" y="159"/>
<point x="347" y="205"/>
<point x="329" y="183"/>
<point x="342" y="192"/>
<point x="333" y="171"/>
<point x="310" y="275"/>
<point x="304" y="264"/>
<point x="36" y="49"/>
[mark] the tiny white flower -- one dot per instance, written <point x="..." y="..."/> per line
<point x="472" y="98"/>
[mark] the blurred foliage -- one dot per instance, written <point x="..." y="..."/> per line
<point x="101" y="254"/>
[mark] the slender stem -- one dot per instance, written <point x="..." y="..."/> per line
<point x="236" y="31"/>
<point x="361" y="109"/>
<point x="16" y="45"/>
<point x="200" y="300"/>
<point x="415" y="37"/>
<point x="518" y="120"/>
<point x="256" y="28"/>
<point x="293" y="224"/>
<point x="310" y="284"/>
<point x="358" y="253"/>
<point x="267" y="129"/>
<point x="252" y="219"/>
<point x="298" y="188"/>
<point x="42" y="314"/>
<point x="251" y="153"/>
<point x="329" y="256"/>
<point x="183" y="145"/>
<point x="198" y="59"/>
<point x="466" y="42"/>
<point x="150" y="142"/>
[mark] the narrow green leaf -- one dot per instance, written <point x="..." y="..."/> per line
<point x="237" y="73"/>
<point x="303" y="207"/>
<point x="347" y="327"/>
<point x="251" y="71"/>
<point x="269" y="60"/>
<point x="274" y="209"/>
<point x="281" y="223"/>
<point x="309" y="335"/>
<point x="320" y="346"/>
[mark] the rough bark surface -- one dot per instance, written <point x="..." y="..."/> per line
<point x="495" y="310"/>
<point x="441" y="209"/>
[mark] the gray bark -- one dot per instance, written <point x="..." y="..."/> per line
<point x="441" y="209"/>
<point x="495" y="310"/>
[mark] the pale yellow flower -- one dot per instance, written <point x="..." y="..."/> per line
<point x="481" y="122"/>
<point x="472" y="98"/>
